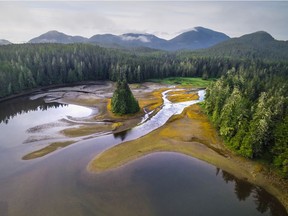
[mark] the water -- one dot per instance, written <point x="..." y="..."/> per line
<point x="27" y="125"/>
<point x="157" y="184"/>
<point x="169" y="109"/>
<point x="24" y="115"/>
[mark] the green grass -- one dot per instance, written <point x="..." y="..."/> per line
<point x="196" y="82"/>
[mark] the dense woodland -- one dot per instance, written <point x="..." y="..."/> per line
<point x="248" y="103"/>
<point x="249" y="107"/>
<point x="28" y="66"/>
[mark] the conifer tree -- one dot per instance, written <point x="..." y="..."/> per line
<point x="123" y="101"/>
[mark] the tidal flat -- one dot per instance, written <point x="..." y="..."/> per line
<point x="89" y="150"/>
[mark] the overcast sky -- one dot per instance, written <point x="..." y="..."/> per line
<point x="22" y="20"/>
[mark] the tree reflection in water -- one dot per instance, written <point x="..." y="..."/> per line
<point x="122" y="135"/>
<point x="11" y="108"/>
<point x="263" y="200"/>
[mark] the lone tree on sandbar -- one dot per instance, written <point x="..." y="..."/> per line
<point x="123" y="101"/>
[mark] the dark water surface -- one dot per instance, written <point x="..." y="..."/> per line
<point x="159" y="184"/>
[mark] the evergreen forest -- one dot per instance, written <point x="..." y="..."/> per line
<point x="247" y="103"/>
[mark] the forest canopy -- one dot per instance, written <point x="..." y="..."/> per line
<point x="27" y="66"/>
<point x="249" y="108"/>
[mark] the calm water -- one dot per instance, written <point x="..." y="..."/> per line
<point x="23" y="115"/>
<point x="157" y="184"/>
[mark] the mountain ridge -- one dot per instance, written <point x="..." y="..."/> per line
<point x="198" y="38"/>
<point x="57" y="37"/>
<point x="4" y="42"/>
<point x="257" y="45"/>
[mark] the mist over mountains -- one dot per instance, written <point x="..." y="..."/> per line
<point x="198" y="38"/>
<point x="259" y="44"/>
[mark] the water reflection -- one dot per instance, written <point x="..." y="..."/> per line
<point x="263" y="200"/>
<point x="35" y="120"/>
<point x="12" y="108"/>
<point x="122" y="135"/>
<point x="176" y="184"/>
<point x="173" y="184"/>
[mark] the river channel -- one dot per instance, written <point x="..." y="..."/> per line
<point x="162" y="183"/>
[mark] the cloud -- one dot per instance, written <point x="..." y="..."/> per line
<point x="21" y="21"/>
<point x="141" y="38"/>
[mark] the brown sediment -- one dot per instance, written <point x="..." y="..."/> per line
<point x="153" y="100"/>
<point x="148" y="101"/>
<point x="175" y="135"/>
<point x="191" y="133"/>
<point x="85" y="130"/>
<point x="104" y="120"/>
<point x="48" y="149"/>
<point x="182" y="96"/>
<point x="84" y="101"/>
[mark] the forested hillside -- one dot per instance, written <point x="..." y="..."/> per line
<point x="249" y="107"/>
<point x="28" y="66"/>
<point x="258" y="45"/>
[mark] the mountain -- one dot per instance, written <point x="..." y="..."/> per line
<point x="129" y="40"/>
<point x="206" y="41"/>
<point x="4" y="42"/>
<point x="57" y="37"/>
<point x="198" y="38"/>
<point x="254" y="46"/>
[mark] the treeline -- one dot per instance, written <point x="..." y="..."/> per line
<point x="249" y="107"/>
<point x="27" y="66"/>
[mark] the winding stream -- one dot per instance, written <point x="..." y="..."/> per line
<point x="168" y="109"/>
<point x="157" y="184"/>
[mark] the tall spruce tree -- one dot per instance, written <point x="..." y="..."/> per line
<point x="123" y="101"/>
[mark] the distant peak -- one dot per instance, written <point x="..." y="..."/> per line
<point x="264" y="35"/>
<point x="4" y="42"/>
<point x="57" y="37"/>
<point x="54" y="32"/>
<point x="199" y="28"/>
<point x="258" y="36"/>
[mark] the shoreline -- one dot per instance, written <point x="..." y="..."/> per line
<point x="50" y="87"/>
<point x="206" y="148"/>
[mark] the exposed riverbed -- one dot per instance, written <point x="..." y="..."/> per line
<point x="159" y="183"/>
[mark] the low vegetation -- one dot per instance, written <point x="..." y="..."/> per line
<point x="181" y="134"/>
<point x="46" y="150"/>
<point x="87" y="130"/>
<point x="182" y="96"/>
<point x="195" y="82"/>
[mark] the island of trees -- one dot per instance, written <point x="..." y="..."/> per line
<point x="123" y="101"/>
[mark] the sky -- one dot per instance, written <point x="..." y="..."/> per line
<point x="21" y="21"/>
